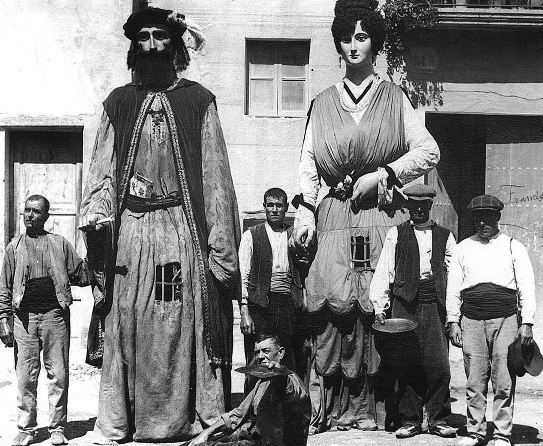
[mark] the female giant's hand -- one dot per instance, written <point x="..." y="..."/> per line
<point x="301" y="238"/>
<point x="365" y="187"/>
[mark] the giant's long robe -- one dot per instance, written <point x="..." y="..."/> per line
<point x="166" y="361"/>
<point x="344" y="139"/>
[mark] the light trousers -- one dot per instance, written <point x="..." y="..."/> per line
<point x="48" y="333"/>
<point x="485" y="347"/>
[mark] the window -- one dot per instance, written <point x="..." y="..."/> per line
<point x="168" y="282"/>
<point x="277" y="77"/>
<point x="360" y="252"/>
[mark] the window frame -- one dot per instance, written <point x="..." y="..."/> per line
<point x="277" y="82"/>
<point x="363" y="263"/>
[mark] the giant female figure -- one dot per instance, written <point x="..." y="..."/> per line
<point x="363" y="139"/>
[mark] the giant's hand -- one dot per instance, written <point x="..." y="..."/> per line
<point x="365" y="187"/>
<point x="455" y="334"/>
<point x="525" y="334"/>
<point x="301" y="239"/>
<point x="246" y="322"/>
<point x="6" y="333"/>
<point x="91" y="223"/>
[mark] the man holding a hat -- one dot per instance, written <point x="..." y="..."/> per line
<point x="160" y="172"/>
<point x="491" y="279"/>
<point x="411" y="275"/>
<point x="276" y="410"/>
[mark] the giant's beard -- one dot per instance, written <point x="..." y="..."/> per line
<point x="155" y="70"/>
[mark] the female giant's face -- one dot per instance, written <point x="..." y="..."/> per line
<point x="356" y="47"/>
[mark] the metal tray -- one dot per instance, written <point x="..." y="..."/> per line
<point x="259" y="371"/>
<point x="395" y="325"/>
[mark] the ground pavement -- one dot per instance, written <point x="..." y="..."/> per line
<point x="83" y="403"/>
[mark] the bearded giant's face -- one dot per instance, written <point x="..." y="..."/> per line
<point x="154" y="62"/>
<point x="154" y="38"/>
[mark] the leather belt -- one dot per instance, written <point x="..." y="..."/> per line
<point x="139" y="204"/>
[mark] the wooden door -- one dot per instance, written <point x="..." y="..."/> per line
<point x="48" y="163"/>
<point x="515" y="175"/>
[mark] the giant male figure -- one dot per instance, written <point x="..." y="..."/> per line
<point x="160" y="169"/>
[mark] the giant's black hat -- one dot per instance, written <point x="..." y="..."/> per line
<point x="154" y="16"/>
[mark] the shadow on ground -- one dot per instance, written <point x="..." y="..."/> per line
<point x="74" y="429"/>
<point x="521" y="434"/>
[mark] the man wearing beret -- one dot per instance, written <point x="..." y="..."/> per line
<point x="411" y="275"/>
<point x="160" y="172"/>
<point x="490" y="280"/>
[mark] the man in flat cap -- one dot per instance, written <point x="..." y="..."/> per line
<point x="490" y="280"/>
<point x="169" y="259"/>
<point x="411" y="275"/>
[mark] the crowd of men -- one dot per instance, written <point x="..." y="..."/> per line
<point x="165" y="260"/>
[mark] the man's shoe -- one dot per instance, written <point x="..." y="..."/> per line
<point x="407" y="431"/>
<point x="57" y="437"/>
<point x="365" y="427"/>
<point x="472" y="440"/>
<point x="23" y="439"/>
<point x="443" y="430"/>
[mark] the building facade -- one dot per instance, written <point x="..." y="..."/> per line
<point x="476" y="79"/>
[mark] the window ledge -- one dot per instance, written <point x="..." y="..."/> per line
<point x="304" y="116"/>
<point x="497" y="17"/>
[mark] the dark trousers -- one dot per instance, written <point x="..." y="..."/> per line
<point x="420" y="360"/>
<point x="278" y="318"/>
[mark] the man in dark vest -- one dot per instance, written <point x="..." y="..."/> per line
<point x="160" y="174"/>
<point x="411" y="276"/>
<point x="271" y="288"/>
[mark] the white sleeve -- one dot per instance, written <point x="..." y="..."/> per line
<point x="525" y="282"/>
<point x="449" y="249"/>
<point x="245" y="258"/>
<point x="384" y="273"/>
<point x="309" y="181"/>
<point x="423" y="152"/>
<point x="454" y="286"/>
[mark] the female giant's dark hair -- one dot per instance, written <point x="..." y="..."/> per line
<point x="348" y="12"/>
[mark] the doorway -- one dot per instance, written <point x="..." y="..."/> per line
<point x="49" y="163"/>
<point x="460" y="174"/>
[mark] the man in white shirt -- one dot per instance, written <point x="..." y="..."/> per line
<point x="411" y="275"/>
<point x="491" y="279"/>
<point x="271" y="288"/>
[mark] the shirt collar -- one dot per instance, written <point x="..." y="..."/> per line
<point x="494" y="237"/>
<point x="269" y="228"/>
<point x="35" y="234"/>
<point x="428" y="225"/>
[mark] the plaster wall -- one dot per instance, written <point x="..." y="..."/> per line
<point x="264" y="151"/>
<point x="479" y="72"/>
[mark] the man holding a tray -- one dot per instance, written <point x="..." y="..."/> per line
<point x="275" y="412"/>
<point x="411" y="276"/>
